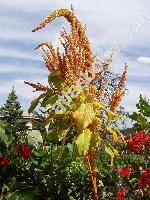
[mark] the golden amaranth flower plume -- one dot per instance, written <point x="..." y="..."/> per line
<point x="77" y="56"/>
<point x="76" y="59"/>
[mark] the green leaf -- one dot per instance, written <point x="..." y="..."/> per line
<point x="83" y="141"/>
<point x="143" y="106"/>
<point x="142" y="115"/>
<point x="49" y="99"/>
<point x="35" y="102"/>
<point x="53" y="137"/>
<point x="61" y="130"/>
<point x="55" y="78"/>
<point x="3" y="136"/>
<point x="70" y="147"/>
<point x="102" y="105"/>
<point x="23" y="195"/>
<point x="7" y="139"/>
<point x="62" y="133"/>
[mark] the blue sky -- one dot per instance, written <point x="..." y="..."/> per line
<point x="106" y="21"/>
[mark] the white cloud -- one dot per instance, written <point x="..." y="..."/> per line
<point x="137" y="70"/>
<point x="145" y="60"/>
<point x="134" y="91"/>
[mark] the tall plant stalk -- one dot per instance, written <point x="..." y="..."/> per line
<point x="91" y="160"/>
<point x="86" y="112"/>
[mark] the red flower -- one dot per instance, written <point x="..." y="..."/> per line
<point x="16" y="146"/>
<point x="126" y="171"/>
<point x="144" y="179"/>
<point x="4" y="161"/>
<point x="139" y="141"/>
<point x="134" y="147"/>
<point x="127" y="138"/>
<point x="25" y="151"/>
<point x="121" y="194"/>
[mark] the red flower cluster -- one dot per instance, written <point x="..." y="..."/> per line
<point x="127" y="138"/>
<point x="4" y="161"/>
<point x="144" y="179"/>
<point x="24" y="150"/>
<point x="121" y="194"/>
<point x="126" y="171"/>
<point x="139" y="141"/>
<point x="16" y="146"/>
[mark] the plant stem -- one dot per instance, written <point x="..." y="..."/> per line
<point x="91" y="160"/>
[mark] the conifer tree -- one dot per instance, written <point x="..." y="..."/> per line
<point x="13" y="115"/>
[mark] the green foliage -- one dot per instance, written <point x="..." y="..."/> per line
<point x="23" y="195"/>
<point x="35" y="102"/>
<point x="62" y="175"/>
<point x="55" y="78"/>
<point x="3" y="136"/>
<point x="142" y="116"/>
<point x="12" y="115"/>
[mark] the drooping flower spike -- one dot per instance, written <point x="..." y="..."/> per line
<point x="77" y="54"/>
<point x="77" y="58"/>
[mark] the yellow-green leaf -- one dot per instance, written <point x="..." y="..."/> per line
<point x="113" y="116"/>
<point x="118" y="131"/>
<point x="84" y="116"/>
<point x="62" y="134"/>
<point x="83" y="141"/>
<point x="116" y="153"/>
<point x="102" y="105"/>
<point x="111" y="153"/>
<point x="114" y="134"/>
